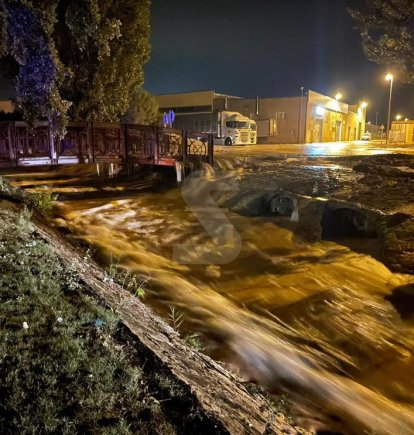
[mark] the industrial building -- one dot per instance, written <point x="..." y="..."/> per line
<point x="311" y="118"/>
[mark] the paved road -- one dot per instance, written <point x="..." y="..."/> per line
<point x="357" y="148"/>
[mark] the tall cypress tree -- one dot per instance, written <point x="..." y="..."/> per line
<point x="387" y="31"/>
<point x="77" y="58"/>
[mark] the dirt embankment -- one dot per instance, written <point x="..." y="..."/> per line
<point x="81" y="353"/>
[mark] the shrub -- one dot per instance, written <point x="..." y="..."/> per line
<point x="44" y="202"/>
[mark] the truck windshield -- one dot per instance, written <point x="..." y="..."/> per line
<point x="237" y="124"/>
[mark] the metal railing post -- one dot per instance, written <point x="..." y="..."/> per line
<point x="52" y="151"/>
<point x="210" y="149"/>
<point x="12" y="146"/>
<point x="156" y="149"/>
<point x="184" y="145"/>
<point x="126" y="151"/>
<point x="91" y="145"/>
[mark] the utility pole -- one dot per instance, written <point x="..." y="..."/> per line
<point x="389" y="78"/>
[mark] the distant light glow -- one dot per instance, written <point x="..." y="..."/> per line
<point x="398" y="117"/>
<point x="338" y="96"/>
<point x="364" y="104"/>
<point x="336" y="147"/>
<point x="389" y="77"/>
<point x="320" y="111"/>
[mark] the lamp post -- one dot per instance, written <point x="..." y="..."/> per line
<point x="338" y="96"/>
<point x="390" y="78"/>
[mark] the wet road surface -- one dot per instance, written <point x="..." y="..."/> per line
<point x="328" y="149"/>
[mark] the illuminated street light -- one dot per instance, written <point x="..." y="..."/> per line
<point x="338" y="96"/>
<point x="390" y="78"/>
<point x="406" y="119"/>
<point x="398" y="117"/>
<point x="364" y="104"/>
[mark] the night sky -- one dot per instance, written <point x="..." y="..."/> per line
<point x="266" y="48"/>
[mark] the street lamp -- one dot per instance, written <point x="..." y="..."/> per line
<point x="398" y="117"/>
<point x="390" y="78"/>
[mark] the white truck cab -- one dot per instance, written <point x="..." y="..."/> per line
<point x="236" y="129"/>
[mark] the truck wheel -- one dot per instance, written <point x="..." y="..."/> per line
<point x="228" y="141"/>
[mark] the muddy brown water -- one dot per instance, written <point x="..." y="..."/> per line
<point x="308" y="319"/>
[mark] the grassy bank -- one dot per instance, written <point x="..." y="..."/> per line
<point x="67" y="364"/>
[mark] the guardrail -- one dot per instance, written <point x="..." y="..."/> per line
<point x="89" y="142"/>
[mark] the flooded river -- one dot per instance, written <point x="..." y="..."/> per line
<point x="310" y="320"/>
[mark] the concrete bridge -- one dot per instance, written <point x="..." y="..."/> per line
<point x="92" y="142"/>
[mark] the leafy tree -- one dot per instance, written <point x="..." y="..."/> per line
<point x="387" y="30"/>
<point x="77" y="58"/>
<point x="104" y="44"/>
<point x="27" y="40"/>
<point x="143" y="109"/>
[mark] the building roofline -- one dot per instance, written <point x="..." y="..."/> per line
<point x="200" y="92"/>
<point x="187" y="92"/>
<point x="229" y="96"/>
<point x="221" y="95"/>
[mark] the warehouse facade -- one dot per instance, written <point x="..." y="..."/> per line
<point x="311" y="118"/>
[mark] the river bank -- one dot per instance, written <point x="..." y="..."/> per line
<point x="81" y="353"/>
<point x="309" y="318"/>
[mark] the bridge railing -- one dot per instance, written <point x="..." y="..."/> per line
<point x="87" y="142"/>
<point x="6" y="156"/>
